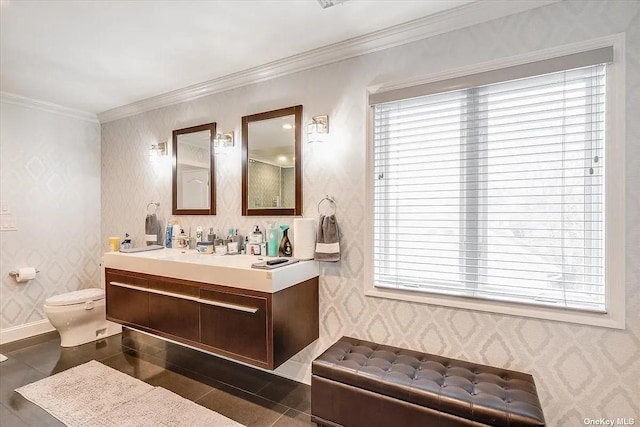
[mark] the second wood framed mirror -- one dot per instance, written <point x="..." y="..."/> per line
<point x="272" y="163"/>
<point x="194" y="189"/>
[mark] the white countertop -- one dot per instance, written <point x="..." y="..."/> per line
<point x="226" y="270"/>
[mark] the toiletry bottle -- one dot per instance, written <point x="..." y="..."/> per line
<point x="175" y="232"/>
<point x="211" y="236"/>
<point x="256" y="236"/>
<point x="199" y="234"/>
<point x="169" y="234"/>
<point x="272" y="239"/>
<point x="182" y="239"/>
<point x="285" y="244"/>
<point x="126" y="242"/>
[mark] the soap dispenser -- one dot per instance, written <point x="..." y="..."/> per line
<point x="285" y="244"/>
<point x="273" y="235"/>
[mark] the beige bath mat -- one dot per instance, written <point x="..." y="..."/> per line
<point x="94" y="395"/>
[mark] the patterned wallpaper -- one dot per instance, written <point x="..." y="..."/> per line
<point x="264" y="184"/>
<point x="288" y="184"/>
<point x="50" y="179"/>
<point x="580" y="371"/>
<point x="267" y="181"/>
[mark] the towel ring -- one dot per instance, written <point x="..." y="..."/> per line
<point x="155" y="209"/>
<point x="331" y="201"/>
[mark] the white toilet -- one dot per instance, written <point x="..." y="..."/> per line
<point x="80" y="316"/>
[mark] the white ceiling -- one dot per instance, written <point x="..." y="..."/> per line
<point x="98" y="55"/>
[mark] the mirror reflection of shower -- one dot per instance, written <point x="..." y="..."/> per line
<point x="271" y="185"/>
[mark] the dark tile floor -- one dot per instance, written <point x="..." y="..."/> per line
<point x="249" y="396"/>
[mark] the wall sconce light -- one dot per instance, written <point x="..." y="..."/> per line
<point x="223" y="140"/>
<point x="318" y="128"/>
<point x="158" y="150"/>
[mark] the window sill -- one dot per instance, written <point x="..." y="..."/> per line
<point x="607" y="320"/>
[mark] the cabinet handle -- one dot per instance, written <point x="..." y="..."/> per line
<point x="227" y="305"/>
<point x="189" y="298"/>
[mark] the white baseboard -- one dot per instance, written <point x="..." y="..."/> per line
<point x="27" y="330"/>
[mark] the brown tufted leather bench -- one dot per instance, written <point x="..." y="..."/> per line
<point x="359" y="383"/>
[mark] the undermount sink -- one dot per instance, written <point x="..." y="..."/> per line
<point x="227" y="270"/>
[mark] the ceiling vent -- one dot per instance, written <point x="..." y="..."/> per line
<point x="328" y="3"/>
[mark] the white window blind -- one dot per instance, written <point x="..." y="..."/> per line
<point x="495" y="191"/>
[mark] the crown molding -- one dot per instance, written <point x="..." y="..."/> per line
<point x="36" y="104"/>
<point x="429" y="26"/>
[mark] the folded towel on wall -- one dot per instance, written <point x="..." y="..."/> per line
<point x="328" y="239"/>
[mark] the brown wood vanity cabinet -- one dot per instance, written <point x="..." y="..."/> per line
<point x="260" y="328"/>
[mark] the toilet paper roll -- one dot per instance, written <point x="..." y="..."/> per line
<point x="25" y="274"/>
<point x="304" y="238"/>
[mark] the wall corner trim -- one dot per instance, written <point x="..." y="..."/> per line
<point x="418" y="29"/>
<point x="48" y="107"/>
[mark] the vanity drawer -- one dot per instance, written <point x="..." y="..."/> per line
<point x="173" y="308"/>
<point x="175" y="316"/>
<point x="127" y="305"/>
<point x="234" y="323"/>
<point x="127" y="279"/>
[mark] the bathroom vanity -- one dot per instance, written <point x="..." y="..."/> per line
<point x="216" y="303"/>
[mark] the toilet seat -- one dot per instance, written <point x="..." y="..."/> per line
<point x="75" y="297"/>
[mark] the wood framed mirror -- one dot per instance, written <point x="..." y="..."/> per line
<point x="272" y="163"/>
<point x="194" y="189"/>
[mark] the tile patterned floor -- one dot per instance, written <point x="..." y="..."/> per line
<point x="247" y="395"/>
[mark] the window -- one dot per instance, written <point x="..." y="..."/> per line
<point x="496" y="191"/>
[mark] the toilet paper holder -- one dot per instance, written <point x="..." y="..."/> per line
<point x="14" y="273"/>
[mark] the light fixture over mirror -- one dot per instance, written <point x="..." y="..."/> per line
<point x="194" y="190"/>
<point x="157" y="150"/>
<point x="223" y="140"/>
<point x="318" y="129"/>
<point x="271" y="162"/>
